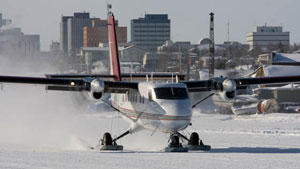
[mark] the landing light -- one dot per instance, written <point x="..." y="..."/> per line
<point x="72" y="83"/>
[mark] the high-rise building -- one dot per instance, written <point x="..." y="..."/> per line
<point x="96" y="34"/>
<point x="151" y="31"/>
<point x="268" y="36"/>
<point x="71" y="32"/>
<point x="64" y="33"/>
<point x="75" y="31"/>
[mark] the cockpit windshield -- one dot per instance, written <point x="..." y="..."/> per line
<point x="171" y="93"/>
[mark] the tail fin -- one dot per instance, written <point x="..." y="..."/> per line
<point x="113" y="48"/>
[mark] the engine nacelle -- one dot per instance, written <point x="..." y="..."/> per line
<point x="97" y="88"/>
<point x="226" y="90"/>
<point x="229" y="95"/>
<point x="229" y="89"/>
<point x="229" y="85"/>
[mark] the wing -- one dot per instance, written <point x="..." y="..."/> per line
<point x="239" y="83"/>
<point x="199" y="86"/>
<point x="268" y="80"/>
<point x="124" y="76"/>
<point x="74" y="84"/>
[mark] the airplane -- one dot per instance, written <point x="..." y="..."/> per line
<point x="156" y="106"/>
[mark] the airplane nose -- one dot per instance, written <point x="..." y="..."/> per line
<point x="178" y="108"/>
<point x="178" y="115"/>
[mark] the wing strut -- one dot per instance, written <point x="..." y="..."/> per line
<point x="202" y="100"/>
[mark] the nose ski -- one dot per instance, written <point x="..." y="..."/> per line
<point x="194" y="143"/>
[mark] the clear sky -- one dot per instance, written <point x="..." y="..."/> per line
<point x="189" y="18"/>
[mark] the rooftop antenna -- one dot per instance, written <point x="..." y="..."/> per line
<point x="228" y="31"/>
<point x="109" y="6"/>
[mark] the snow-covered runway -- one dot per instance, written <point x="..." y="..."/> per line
<point x="237" y="143"/>
<point x="48" y="130"/>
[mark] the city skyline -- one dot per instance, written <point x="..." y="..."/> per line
<point x="189" y="19"/>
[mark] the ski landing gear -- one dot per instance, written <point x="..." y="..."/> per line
<point x="109" y="144"/>
<point x="175" y="145"/>
<point x="194" y="143"/>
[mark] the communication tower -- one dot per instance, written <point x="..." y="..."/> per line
<point x="212" y="46"/>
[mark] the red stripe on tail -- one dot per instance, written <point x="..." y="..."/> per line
<point x="113" y="48"/>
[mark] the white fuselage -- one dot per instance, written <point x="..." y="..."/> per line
<point x="162" y="106"/>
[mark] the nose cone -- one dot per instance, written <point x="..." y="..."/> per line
<point x="177" y="107"/>
<point x="178" y="114"/>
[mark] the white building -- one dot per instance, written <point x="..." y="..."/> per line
<point x="13" y="42"/>
<point x="268" y="36"/>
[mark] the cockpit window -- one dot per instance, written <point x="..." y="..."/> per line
<point x="171" y="93"/>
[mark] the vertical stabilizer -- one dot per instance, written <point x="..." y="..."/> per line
<point x="113" y="48"/>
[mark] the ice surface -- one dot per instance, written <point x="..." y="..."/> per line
<point x="60" y="137"/>
<point x="270" y="141"/>
<point x="42" y="130"/>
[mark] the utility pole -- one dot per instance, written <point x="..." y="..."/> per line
<point x="212" y="46"/>
<point x="188" y="74"/>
